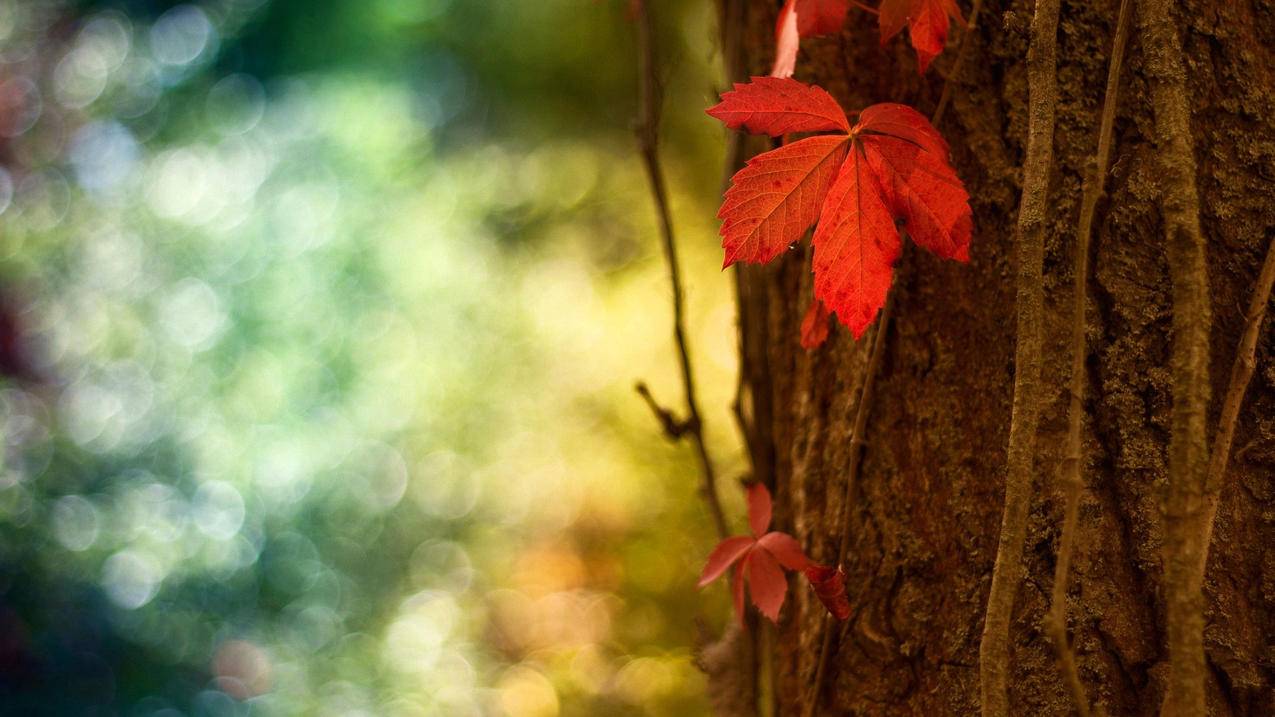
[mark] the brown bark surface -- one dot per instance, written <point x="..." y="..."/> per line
<point x="929" y="496"/>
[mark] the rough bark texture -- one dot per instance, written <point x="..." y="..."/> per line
<point x="925" y="523"/>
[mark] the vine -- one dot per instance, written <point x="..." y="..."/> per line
<point x="1008" y="568"/>
<point x="1188" y="449"/>
<point x="1241" y="372"/>
<point x="870" y="371"/>
<point x="1072" y="482"/>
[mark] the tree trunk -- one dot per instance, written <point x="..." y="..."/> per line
<point x="927" y="509"/>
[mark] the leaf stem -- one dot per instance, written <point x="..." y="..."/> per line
<point x="857" y="433"/>
<point x="1007" y="572"/>
<point x="1070" y="475"/>
<point x="650" y="100"/>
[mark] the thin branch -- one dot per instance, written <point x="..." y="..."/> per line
<point x="1188" y="444"/>
<point x="648" y="142"/>
<point x="731" y="18"/>
<point x="1072" y="482"/>
<point x="1241" y="372"/>
<point x="1007" y="572"/>
<point x="962" y="49"/>
<point x="857" y="432"/>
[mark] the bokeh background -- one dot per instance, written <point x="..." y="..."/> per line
<point x="319" y="322"/>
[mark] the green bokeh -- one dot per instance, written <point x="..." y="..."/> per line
<point x="328" y="316"/>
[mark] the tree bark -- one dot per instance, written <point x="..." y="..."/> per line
<point x="926" y="518"/>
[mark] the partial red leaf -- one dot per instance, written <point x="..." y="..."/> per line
<point x="892" y="17"/>
<point x="777" y="106"/>
<point x="910" y="159"/>
<point x="929" y="34"/>
<point x="776" y="197"/>
<point x="925" y="193"/>
<point x="767" y="584"/>
<point x="927" y="22"/>
<point x="821" y="17"/>
<point x="737" y="592"/>
<point x="759" y="509"/>
<point x="723" y="556"/>
<point x="856" y="245"/>
<point x="830" y="587"/>
<point x="814" y="327"/>
<point x="787" y="41"/>
<point x="903" y="122"/>
<point x="785" y="549"/>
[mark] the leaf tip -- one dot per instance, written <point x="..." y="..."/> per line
<point x="814" y="327"/>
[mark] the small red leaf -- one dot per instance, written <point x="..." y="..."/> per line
<point x="814" y="327"/>
<point x="757" y="558"/>
<point x="775" y="198"/>
<point x="775" y="106"/>
<point x="929" y="34"/>
<point x="856" y="244"/>
<point x="830" y="587"/>
<point x="767" y="584"/>
<point x="723" y="556"/>
<point x="784" y="548"/>
<point x="927" y="22"/>
<point x="759" y="508"/>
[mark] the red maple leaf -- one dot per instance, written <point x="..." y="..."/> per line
<point x="760" y="555"/>
<point x="927" y="22"/>
<point x="890" y="169"/>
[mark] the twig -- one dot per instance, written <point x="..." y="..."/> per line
<point x="673" y="427"/>
<point x="1188" y="446"/>
<point x="1241" y="372"/>
<point x="731" y="18"/>
<point x="1073" y="485"/>
<point x="648" y="142"/>
<point x="870" y="371"/>
<point x="962" y="48"/>
<point x="1008" y="569"/>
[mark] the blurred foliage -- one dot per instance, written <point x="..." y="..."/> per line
<point x="319" y="323"/>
